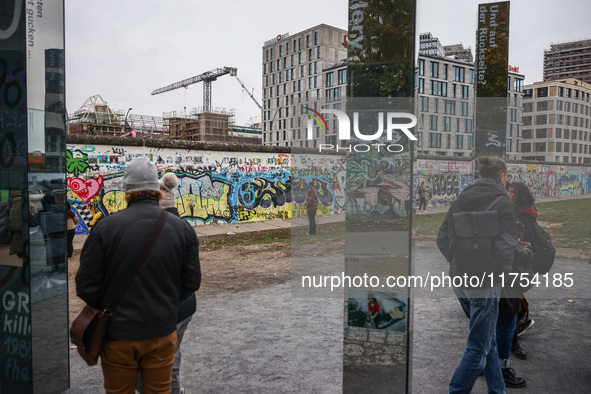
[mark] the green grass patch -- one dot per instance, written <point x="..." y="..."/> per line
<point x="427" y="225"/>
<point x="570" y="223"/>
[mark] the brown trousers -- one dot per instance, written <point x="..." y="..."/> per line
<point x="121" y="361"/>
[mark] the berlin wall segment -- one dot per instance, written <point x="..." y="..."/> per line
<point x="237" y="184"/>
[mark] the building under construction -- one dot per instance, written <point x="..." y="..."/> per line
<point x="96" y="118"/>
<point x="213" y="126"/>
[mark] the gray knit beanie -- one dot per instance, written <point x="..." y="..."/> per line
<point x="140" y="175"/>
<point x="168" y="182"/>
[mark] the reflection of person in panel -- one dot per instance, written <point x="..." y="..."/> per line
<point x="312" y="205"/>
<point x="72" y="222"/>
<point x="373" y="308"/>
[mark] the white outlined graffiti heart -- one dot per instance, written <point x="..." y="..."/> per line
<point x="86" y="189"/>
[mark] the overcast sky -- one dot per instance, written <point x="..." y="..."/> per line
<point x="123" y="50"/>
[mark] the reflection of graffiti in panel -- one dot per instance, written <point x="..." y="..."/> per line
<point x="264" y="193"/>
<point x="300" y="190"/>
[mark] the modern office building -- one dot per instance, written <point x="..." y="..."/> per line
<point x="557" y="121"/>
<point x="294" y="77"/>
<point x="429" y="45"/>
<point x="445" y="107"/>
<point x="568" y="60"/>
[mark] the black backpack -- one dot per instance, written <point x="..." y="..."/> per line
<point x="473" y="234"/>
<point x="541" y="245"/>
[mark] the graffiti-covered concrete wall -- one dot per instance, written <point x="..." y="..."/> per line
<point x="236" y="184"/>
<point x="215" y="186"/>
<point x="445" y="179"/>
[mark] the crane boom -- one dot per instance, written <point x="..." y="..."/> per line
<point x="250" y="94"/>
<point x="206" y="78"/>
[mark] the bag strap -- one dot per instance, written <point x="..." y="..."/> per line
<point x="139" y="261"/>
<point x="495" y="201"/>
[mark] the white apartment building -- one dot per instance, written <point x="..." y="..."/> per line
<point x="445" y="108"/>
<point x="557" y="121"/>
<point x="294" y="78"/>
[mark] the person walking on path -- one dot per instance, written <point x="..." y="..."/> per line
<point x="312" y="205"/>
<point x="422" y="197"/>
<point x="481" y="305"/>
<point x="141" y="334"/>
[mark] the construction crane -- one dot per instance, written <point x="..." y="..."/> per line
<point x="207" y="78"/>
<point x="250" y="94"/>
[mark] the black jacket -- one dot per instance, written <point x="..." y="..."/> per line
<point x="170" y="273"/>
<point x="477" y="197"/>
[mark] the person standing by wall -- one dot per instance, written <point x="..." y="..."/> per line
<point x="141" y="334"/>
<point x="422" y="197"/>
<point x="312" y="205"/>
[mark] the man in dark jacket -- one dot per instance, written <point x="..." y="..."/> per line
<point x="141" y="334"/>
<point x="481" y="305"/>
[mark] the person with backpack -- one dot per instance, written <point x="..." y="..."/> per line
<point x="492" y="253"/>
<point x="539" y="241"/>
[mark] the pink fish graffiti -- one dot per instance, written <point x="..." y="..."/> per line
<point x="86" y="189"/>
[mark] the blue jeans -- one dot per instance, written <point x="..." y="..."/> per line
<point x="482" y="307"/>
<point x="505" y="329"/>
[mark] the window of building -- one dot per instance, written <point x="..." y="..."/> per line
<point x="421" y="67"/>
<point x="434" y="70"/>
<point x="329" y="79"/>
<point x="468" y="125"/>
<point x="513" y="115"/>
<point x="542" y="92"/>
<point x="541" y="119"/>
<point x="271" y="67"/>
<point x="518" y="85"/>
<point x="465" y="92"/>
<point x="446" y="123"/>
<point x="280" y="50"/>
<point x="432" y="122"/>
<point x="450" y="107"/>
<point x="458" y="74"/>
<point x="318" y="52"/>
<point x="460" y="142"/>
<point x="271" y="53"/>
<point x="568" y="92"/>
<point x="310" y="68"/>
<point x="278" y="63"/>
<point x="435" y="105"/>
<point x="421" y="85"/>
<point x="444" y="76"/>
<point x="315" y="67"/>
<point x="471" y="81"/>
<point x="438" y="88"/>
<point x="316" y="38"/>
<point x="434" y="140"/>
<point x="315" y="82"/>
<point x="508" y="145"/>
<point x="560" y="91"/>
<point x="342" y="75"/>
<point x="447" y="141"/>
<point x="420" y="139"/>
<point x="424" y="104"/>
<point x="464" y="108"/>
<point x="309" y="55"/>
<point x="302" y="71"/>
<point x="453" y="90"/>
<point x="300" y="58"/>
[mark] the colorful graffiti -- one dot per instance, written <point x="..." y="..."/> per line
<point x="233" y="188"/>
<point x="446" y="179"/>
<point x="212" y="187"/>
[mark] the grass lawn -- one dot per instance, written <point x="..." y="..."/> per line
<point x="568" y="222"/>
